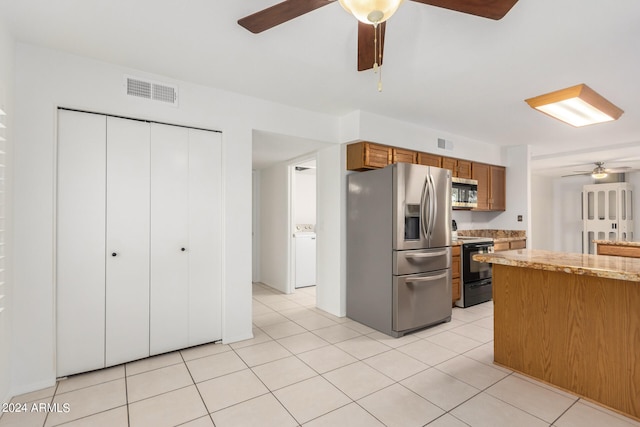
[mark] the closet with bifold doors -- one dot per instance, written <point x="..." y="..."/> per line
<point x="138" y="240"/>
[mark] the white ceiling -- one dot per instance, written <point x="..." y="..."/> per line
<point x="443" y="70"/>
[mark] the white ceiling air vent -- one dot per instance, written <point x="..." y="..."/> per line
<point x="151" y="90"/>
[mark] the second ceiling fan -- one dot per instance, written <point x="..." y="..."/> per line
<point x="367" y="37"/>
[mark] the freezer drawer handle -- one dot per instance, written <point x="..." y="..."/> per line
<point x="427" y="279"/>
<point x="427" y="255"/>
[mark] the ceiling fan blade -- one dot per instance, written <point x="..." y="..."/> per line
<point x="621" y="169"/>
<point x="280" y="13"/>
<point x="366" y="53"/>
<point x="492" y="9"/>
<point x="576" y="174"/>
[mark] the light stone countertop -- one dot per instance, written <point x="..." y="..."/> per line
<point x="609" y="267"/>
<point x="617" y="243"/>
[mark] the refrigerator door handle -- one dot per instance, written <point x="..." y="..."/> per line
<point x="423" y="206"/>
<point x="426" y="255"/>
<point x="433" y="205"/>
<point x="427" y="279"/>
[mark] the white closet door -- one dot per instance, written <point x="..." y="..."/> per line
<point x="205" y="236"/>
<point x="170" y="248"/>
<point x="127" y="260"/>
<point x="80" y="252"/>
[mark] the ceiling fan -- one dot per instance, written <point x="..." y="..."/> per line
<point x="600" y="171"/>
<point x="367" y="37"/>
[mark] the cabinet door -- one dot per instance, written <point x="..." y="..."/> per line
<point x="429" y="160"/>
<point x="518" y="244"/>
<point x="376" y="156"/>
<point x="497" y="196"/>
<point x="501" y="246"/>
<point x="480" y="172"/>
<point x="455" y="290"/>
<point x="403" y="156"/>
<point x="463" y="169"/>
<point x="80" y="242"/>
<point x="451" y="164"/>
<point x="170" y="248"/>
<point x="127" y="263"/>
<point x="205" y="236"/>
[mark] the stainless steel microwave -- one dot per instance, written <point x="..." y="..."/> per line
<point x="464" y="193"/>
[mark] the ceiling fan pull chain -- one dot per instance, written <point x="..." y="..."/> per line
<point x="375" y="47"/>
<point x="379" y="29"/>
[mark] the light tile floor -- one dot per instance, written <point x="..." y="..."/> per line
<point x="307" y="367"/>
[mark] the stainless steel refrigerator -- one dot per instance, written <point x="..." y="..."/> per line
<point x="399" y="247"/>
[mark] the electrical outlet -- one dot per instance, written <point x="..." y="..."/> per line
<point x="519" y="218"/>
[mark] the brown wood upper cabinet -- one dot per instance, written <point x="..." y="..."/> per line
<point x="429" y="160"/>
<point x="491" y="187"/>
<point x="459" y="168"/>
<point x="367" y="155"/>
<point x="399" y="155"/>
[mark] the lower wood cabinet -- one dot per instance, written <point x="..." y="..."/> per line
<point x="455" y="273"/>
<point x="505" y="246"/>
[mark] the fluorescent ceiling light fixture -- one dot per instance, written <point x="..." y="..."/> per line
<point x="577" y="105"/>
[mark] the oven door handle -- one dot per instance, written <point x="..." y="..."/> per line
<point x="427" y="279"/>
<point x="426" y="255"/>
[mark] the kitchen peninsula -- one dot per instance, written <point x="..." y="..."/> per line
<point x="571" y="320"/>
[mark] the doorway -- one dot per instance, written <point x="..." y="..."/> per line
<point x="303" y="219"/>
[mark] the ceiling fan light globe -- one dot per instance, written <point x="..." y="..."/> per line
<point x="599" y="175"/>
<point x="371" y="11"/>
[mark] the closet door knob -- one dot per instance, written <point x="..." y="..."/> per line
<point x="183" y="249"/>
<point x="114" y="253"/>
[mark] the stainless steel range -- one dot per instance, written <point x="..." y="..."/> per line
<point x="476" y="283"/>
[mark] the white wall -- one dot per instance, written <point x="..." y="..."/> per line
<point x="542" y="213"/>
<point x="46" y="79"/>
<point x="557" y="211"/>
<point x="6" y="103"/>
<point x="634" y="178"/>
<point x="518" y="193"/>
<point x="330" y="230"/>
<point x="274" y="226"/>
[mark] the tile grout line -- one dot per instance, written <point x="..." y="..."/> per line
<point x="44" y="423"/>
<point x="197" y="389"/>
<point x="126" y="394"/>
<point x="398" y="382"/>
